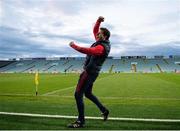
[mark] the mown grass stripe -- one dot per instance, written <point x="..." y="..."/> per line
<point x="64" y="89"/>
<point x="101" y="97"/>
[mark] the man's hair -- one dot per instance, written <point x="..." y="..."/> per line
<point x="106" y="32"/>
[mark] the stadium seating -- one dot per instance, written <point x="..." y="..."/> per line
<point x="70" y="65"/>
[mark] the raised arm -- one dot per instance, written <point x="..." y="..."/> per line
<point x="97" y="50"/>
<point x="97" y="25"/>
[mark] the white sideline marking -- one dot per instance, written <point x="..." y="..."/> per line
<point x="89" y="117"/>
<point x="53" y="92"/>
<point x="59" y="90"/>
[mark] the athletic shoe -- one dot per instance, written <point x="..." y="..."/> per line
<point x="105" y="115"/>
<point x="76" y="124"/>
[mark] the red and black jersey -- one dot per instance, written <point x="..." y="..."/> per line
<point x="96" y="54"/>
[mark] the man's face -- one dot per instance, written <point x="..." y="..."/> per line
<point x="100" y="35"/>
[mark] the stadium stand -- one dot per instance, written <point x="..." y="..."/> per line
<point x="126" y="64"/>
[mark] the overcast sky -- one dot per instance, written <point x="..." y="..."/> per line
<point x="44" y="28"/>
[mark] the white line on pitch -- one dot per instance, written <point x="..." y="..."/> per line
<point x="89" y="117"/>
<point x="53" y="92"/>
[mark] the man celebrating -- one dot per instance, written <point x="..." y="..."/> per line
<point x="95" y="58"/>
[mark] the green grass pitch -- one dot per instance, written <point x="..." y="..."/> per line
<point x="125" y="95"/>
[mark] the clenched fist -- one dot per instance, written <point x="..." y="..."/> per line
<point x="71" y="43"/>
<point x="101" y="19"/>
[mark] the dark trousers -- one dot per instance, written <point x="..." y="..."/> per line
<point x="84" y="86"/>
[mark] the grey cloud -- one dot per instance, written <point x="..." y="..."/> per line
<point x="76" y="38"/>
<point x="57" y="24"/>
<point x="14" y="44"/>
<point x="71" y="7"/>
<point x="166" y="49"/>
<point x="167" y="18"/>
